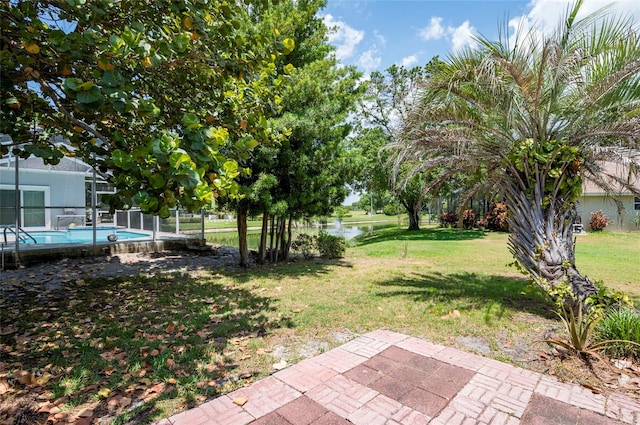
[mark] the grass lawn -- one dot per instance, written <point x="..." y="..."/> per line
<point x="352" y="217"/>
<point x="149" y="346"/>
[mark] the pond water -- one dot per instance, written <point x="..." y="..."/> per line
<point x="348" y="231"/>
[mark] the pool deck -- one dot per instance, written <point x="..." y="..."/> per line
<point x="36" y="253"/>
<point x="387" y="378"/>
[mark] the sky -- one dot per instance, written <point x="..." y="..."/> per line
<point x="375" y="34"/>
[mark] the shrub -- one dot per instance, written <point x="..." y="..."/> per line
<point x="620" y="324"/>
<point x="468" y="219"/>
<point x="390" y="209"/>
<point x="331" y="246"/>
<point x="449" y="219"/>
<point x="497" y="217"/>
<point x="304" y="244"/>
<point x="598" y="221"/>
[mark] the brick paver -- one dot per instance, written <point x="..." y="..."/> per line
<point x="305" y="375"/>
<point x="387" y="378"/>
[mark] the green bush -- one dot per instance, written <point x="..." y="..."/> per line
<point x="331" y="246"/>
<point x="620" y="324"/>
<point x="390" y="209"/>
<point x="304" y="244"/>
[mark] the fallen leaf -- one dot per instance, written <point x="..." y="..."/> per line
<point x="169" y="329"/>
<point x="157" y="388"/>
<point x="4" y="387"/>
<point x="104" y="392"/>
<point x="85" y="413"/>
<point x="24" y="377"/>
<point x="45" y="408"/>
<point x="240" y="401"/>
<point x="125" y="401"/>
<point x="451" y="314"/>
<point x="114" y="401"/>
<point x="43" y="379"/>
<point x="154" y="352"/>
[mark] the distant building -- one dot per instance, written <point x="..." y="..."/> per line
<point x="51" y="196"/>
<point x="621" y="207"/>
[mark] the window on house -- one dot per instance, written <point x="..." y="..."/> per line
<point x="33" y="201"/>
<point x="636" y="203"/>
<point x="33" y="209"/>
<point x="7" y="207"/>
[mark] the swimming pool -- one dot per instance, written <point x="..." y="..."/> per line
<point x="80" y="235"/>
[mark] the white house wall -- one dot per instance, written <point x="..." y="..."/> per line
<point x="617" y="222"/>
<point x="66" y="189"/>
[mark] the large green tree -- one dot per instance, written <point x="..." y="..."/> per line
<point x="536" y="115"/>
<point x="386" y="106"/>
<point x="164" y="97"/>
<point x="305" y="174"/>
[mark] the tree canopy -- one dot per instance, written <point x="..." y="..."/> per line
<point x="305" y="174"/>
<point x="384" y="109"/>
<point x="165" y="98"/>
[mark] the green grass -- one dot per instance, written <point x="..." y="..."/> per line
<point x="613" y="258"/>
<point x="192" y="337"/>
<point x="353" y="217"/>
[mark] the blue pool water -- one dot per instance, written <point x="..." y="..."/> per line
<point x="75" y="235"/>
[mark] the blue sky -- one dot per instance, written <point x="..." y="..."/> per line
<point x="375" y="34"/>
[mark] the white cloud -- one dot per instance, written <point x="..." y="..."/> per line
<point x="408" y="61"/>
<point x="369" y="60"/>
<point x="546" y="14"/>
<point x="344" y="37"/>
<point x="460" y="36"/>
<point x="379" y="38"/>
<point x="434" y="31"/>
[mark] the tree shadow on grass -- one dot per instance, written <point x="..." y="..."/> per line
<point x="471" y="291"/>
<point x="291" y="269"/>
<point x="142" y="338"/>
<point x="439" y="234"/>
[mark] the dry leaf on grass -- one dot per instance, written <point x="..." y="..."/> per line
<point x="451" y="314"/>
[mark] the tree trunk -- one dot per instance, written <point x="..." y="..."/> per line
<point x="287" y="247"/>
<point x="414" y="215"/>
<point x="541" y="240"/>
<point x="280" y="237"/>
<point x="262" y="252"/>
<point x="271" y="239"/>
<point x="241" y="221"/>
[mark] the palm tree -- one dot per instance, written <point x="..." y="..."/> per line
<point x="535" y="115"/>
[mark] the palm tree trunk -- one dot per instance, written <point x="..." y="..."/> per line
<point x="541" y="240"/>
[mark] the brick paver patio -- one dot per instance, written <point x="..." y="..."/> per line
<point x="386" y="378"/>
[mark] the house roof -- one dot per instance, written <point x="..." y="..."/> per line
<point x="619" y="169"/>
<point x="68" y="164"/>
